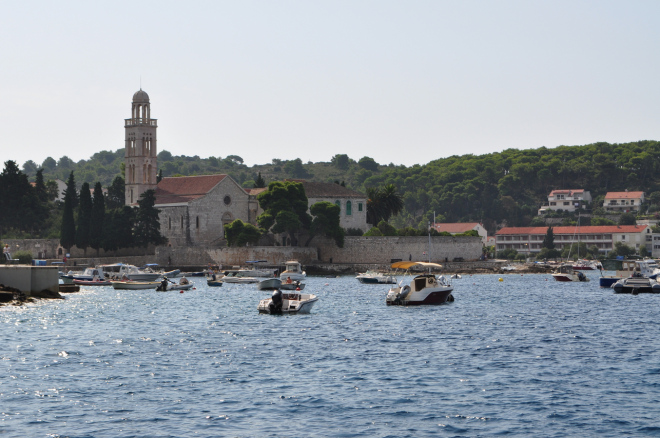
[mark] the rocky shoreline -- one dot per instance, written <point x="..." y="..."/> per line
<point x="10" y="296"/>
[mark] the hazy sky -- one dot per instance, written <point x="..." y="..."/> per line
<point x="403" y="82"/>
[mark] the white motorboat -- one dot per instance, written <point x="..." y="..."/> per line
<point x="122" y="271"/>
<point x="423" y="289"/>
<point x="134" y="285"/>
<point x="89" y="274"/>
<point x="293" y="271"/>
<point x="233" y="277"/>
<point x="373" y="277"/>
<point x="255" y="270"/>
<point x="567" y="273"/>
<point x="281" y="303"/>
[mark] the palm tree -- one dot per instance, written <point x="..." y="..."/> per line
<point x="383" y="204"/>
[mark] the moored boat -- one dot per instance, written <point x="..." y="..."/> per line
<point x="214" y="283"/>
<point x="566" y="273"/>
<point x="134" y="285"/>
<point x="97" y="282"/>
<point x="293" y="271"/>
<point x="373" y="277"/>
<point x="280" y="303"/>
<point x="424" y="289"/>
<point x="269" y="284"/>
<point x="635" y="285"/>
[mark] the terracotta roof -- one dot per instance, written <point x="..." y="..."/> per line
<point x="326" y="190"/>
<point x="186" y="188"/>
<point x="566" y="192"/>
<point x="597" y="229"/>
<point x="455" y="227"/>
<point x="255" y="192"/>
<point x="624" y="195"/>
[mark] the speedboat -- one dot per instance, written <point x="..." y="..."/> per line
<point x="587" y="265"/>
<point x="293" y="271"/>
<point x="423" y="289"/>
<point x="280" y="303"/>
<point x="294" y="285"/>
<point x="134" y="285"/>
<point x="213" y="283"/>
<point x="635" y="285"/>
<point x="373" y="277"/>
<point x="233" y="277"/>
<point x="131" y="272"/>
<point x="566" y="273"/>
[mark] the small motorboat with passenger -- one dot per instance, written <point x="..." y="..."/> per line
<point x="424" y="289"/>
<point x="566" y="273"/>
<point x="167" y="284"/>
<point x="134" y="285"/>
<point x="280" y="303"/>
<point x="293" y="271"/>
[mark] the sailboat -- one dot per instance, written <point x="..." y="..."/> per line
<point x="567" y="272"/>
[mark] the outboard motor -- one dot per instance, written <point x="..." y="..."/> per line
<point x="275" y="305"/>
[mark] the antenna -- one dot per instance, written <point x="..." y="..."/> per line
<point x="140" y="82"/>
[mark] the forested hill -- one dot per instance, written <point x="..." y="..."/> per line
<point x="490" y="188"/>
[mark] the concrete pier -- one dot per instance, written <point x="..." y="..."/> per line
<point x="30" y="279"/>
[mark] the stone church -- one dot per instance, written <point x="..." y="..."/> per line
<point x="195" y="209"/>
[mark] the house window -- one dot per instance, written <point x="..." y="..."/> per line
<point x="567" y="203"/>
<point x="181" y="222"/>
<point x="197" y="222"/>
<point x="338" y="204"/>
<point x="553" y="203"/>
<point x="169" y="223"/>
<point x="227" y="200"/>
<point x="359" y="206"/>
<point x="349" y="208"/>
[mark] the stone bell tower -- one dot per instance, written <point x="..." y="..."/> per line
<point x="141" y="150"/>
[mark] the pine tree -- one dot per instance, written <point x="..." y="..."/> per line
<point x="98" y="215"/>
<point x="259" y="183"/>
<point x="68" y="230"/>
<point x="84" y="218"/>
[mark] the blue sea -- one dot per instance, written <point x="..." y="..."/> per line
<point x="525" y="356"/>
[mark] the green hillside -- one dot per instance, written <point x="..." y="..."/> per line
<point x="505" y="186"/>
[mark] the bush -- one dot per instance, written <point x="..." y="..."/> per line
<point x="24" y="257"/>
<point x="373" y="232"/>
<point x="354" y="232"/>
<point x="509" y="254"/>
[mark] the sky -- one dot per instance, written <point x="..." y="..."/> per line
<point x="403" y="82"/>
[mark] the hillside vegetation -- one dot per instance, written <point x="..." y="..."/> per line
<point x="494" y="188"/>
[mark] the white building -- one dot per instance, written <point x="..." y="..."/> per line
<point x="623" y="202"/>
<point x="529" y="240"/>
<point x="462" y="227"/>
<point x="566" y="200"/>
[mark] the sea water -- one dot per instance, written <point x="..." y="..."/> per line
<point x="525" y="356"/>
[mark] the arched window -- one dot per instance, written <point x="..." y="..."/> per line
<point x="338" y="204"/>
<point x="349" y="208"/>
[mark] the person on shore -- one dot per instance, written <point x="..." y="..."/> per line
<point x="6" y="251"/>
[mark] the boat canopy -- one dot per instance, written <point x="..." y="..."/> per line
<point x="408" y="265"/>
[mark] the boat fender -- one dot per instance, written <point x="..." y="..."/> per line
<point x="450" y="298"/>
<point x="404" y="292"/>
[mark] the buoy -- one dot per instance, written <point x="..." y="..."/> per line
<point x="180" y="291"/>
<point x="501" y="279"/>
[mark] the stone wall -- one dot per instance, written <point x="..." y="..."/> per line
<point x="196" y="256"/>
<point x="53" y="249"/>
<point x="382" y="249"/>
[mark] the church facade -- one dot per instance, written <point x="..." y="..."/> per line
<point x="195" y="209"/>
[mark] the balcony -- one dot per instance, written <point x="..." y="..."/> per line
<point x="141" y="122"/>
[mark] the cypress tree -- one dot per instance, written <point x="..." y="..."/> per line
<point x="84" y="218"/>
<point x="549" y="239"/>
<point x="98" y="215"/>
<point x="68" y="230"/>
